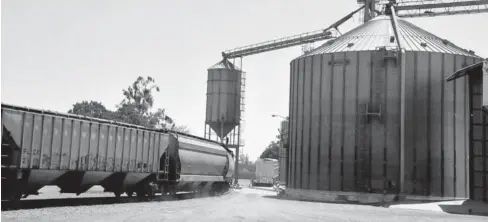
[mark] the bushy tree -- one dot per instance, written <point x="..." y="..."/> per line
<point x="272" y="151"/>
<point x="91" y="109"/>
<point x="135" y="108"/>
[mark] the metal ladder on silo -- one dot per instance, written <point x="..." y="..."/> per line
<point x="242" y="107"/>
<point x="373" y="109"/>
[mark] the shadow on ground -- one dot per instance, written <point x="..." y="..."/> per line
<point x="88" y="201"/>
<point x="467" y="207"/>
<point x="316" y="201"/>
<point x="449" y="206"/>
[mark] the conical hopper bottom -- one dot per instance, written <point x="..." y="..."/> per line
<point x="222" y="129"/>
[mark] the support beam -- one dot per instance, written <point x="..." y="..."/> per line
<point x="286" y="42"/>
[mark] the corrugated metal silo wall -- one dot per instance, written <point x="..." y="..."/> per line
<point x="437" y="125"/>
<point x="479" y="139"/>
<point x="328" y="124"/>
<point x="223" y="95"/>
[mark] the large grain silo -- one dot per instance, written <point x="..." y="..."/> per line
<point x="346" y="110"/>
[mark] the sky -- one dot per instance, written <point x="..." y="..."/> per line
<point x="58" y="52"/>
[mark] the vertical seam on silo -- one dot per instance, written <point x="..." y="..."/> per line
<point x="467" y="122"/>
<point x="303" y="122"/>
<point x="454" y="128"/>
<point x="442" y="123"/>
<point x="370" y="126"/>
<point x="470" y="149"/>
<point x="310" y="121"/>
<point x="429" y="127"/>
<point x="219" y="98"/>
<point x="465" y="79"/>
<point x="414" y="124"/>
<point x="319" y="141"/>
<point x="61" y="143"/>
<point x="211" y="86"/>
<point x="330" y="121"/>
<point x="385" y="124"/>
<point x="295" y="124"/>
<point x="343" y="135"/>
<point x="484" y="152"/>
<point x="356" y="135"/>
<point x="290" y="116"/>
<point x="290" y="127"/>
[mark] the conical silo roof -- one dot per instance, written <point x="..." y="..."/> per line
<point x="225" y="64"/>
<point x="378" y="33"/>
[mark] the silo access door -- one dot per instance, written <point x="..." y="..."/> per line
<point x="378" y="131"/>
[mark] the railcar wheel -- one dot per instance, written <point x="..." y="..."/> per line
<point x="141" y="194"/>
<point x="129" y="193"/>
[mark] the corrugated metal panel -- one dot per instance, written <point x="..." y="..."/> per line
<point x="377" y="33"/>
<point x="223" y="98"/>
<point x="478" y="141"/>
<point x="52" y="142"/>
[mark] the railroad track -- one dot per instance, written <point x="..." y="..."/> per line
<point x="87" y="201"/>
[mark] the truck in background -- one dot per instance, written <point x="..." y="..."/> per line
<point x="267" y="171"/>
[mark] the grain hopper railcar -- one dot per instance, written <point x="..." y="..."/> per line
<point x="41" y="148"/>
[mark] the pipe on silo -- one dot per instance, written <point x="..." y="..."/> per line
<point x="401" y="67"/>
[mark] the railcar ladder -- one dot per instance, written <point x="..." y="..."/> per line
<point x="11" y="174"/>
<point x="166" y="167"/>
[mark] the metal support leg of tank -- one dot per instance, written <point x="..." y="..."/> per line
<point x="129" y="192"/>
<point x="118" y="192"/>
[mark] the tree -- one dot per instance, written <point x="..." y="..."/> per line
<point x="139" y="100"/>
<point x="181" y="128"/>
<point x="271" y="151"/>
<point x="135" y="108"/>
<point x="91" y="109"/>
<point x="140" y="93"/>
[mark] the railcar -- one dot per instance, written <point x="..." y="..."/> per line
<point x="75" y="153"/>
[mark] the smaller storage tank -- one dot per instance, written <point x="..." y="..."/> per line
<point x="223" y="97"/>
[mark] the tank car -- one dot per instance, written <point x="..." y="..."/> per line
<point x="75" y="153"/>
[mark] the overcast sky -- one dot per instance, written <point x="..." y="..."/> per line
<point x="58" y="52"/>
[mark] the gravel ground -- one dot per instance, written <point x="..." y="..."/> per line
<point x="239" y="205"/>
